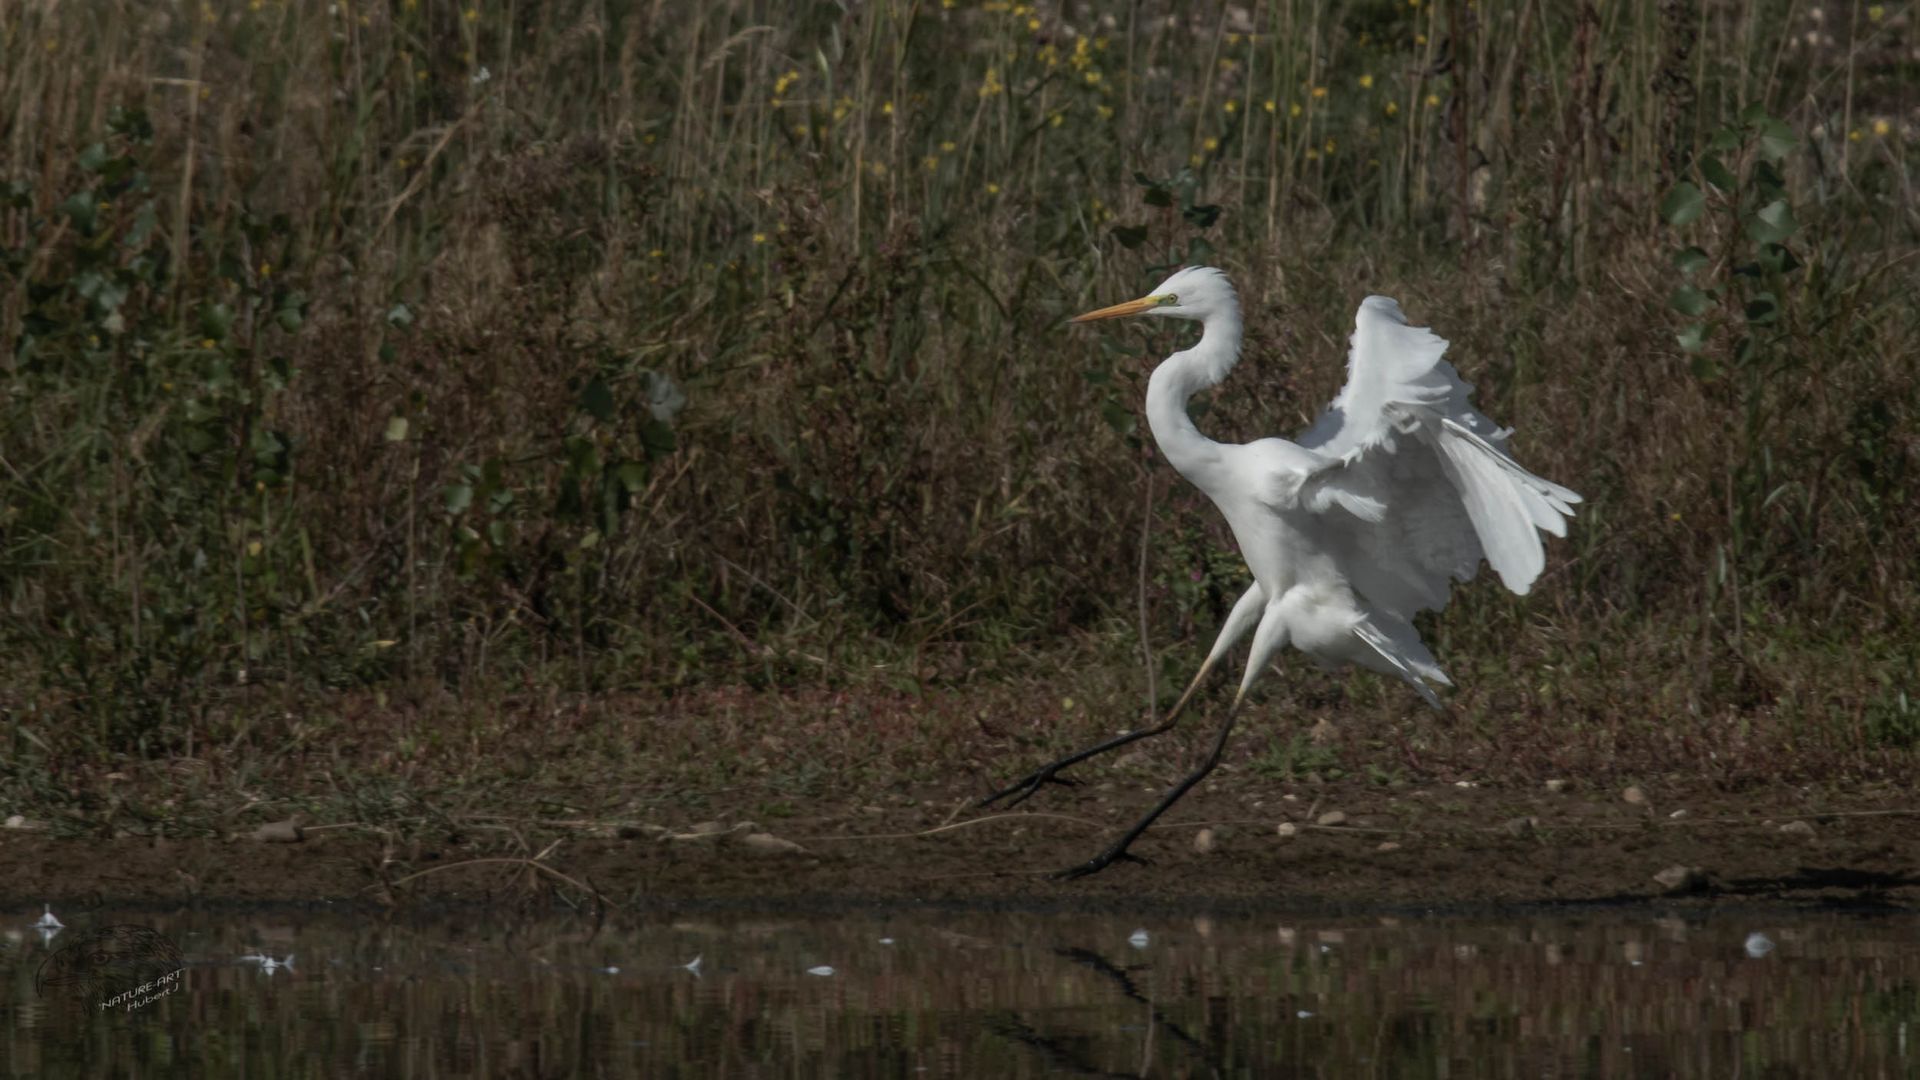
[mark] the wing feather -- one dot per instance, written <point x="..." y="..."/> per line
<point x="1419" y="483"/>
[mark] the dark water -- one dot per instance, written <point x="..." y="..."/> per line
<point x="1721" y="994"/>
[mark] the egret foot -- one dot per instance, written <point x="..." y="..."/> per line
<point x="1023" y="789"/>
<point x="1114" y="854"/>
<point x="1046" y="773"/>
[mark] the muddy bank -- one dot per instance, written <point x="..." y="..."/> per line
<point x="1351" y="846"/>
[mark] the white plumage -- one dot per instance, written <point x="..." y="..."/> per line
<point x="1399" y="489"/>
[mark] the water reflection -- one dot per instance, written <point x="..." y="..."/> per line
<point x="312" y="994"/>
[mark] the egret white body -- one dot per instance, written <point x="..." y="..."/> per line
<point x="1399" y="489"/>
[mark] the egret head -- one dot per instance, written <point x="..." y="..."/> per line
<point x="1192" y="292"/>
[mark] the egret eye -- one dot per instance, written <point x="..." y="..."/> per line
<point x="1169" y="298"/>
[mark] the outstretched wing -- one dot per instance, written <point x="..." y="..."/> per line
<point x="1416" y="481"/>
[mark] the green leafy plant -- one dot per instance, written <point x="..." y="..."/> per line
<point x="1178" y="197"/>
<point x="1739" y="270"/>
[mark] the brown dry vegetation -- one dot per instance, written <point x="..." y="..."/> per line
<point x="345" y="348"/>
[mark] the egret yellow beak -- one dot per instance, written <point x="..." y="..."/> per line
<point x="1131" y="307"/>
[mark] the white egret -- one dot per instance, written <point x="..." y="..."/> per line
<point x="1399" y="489"/>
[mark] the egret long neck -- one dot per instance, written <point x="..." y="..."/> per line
<point x="1178" y="378"/>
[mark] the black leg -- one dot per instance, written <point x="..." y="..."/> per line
<point x="1024" y="787"/>
<point x="1119" y="849"/>
<point x="1027" y="785"/>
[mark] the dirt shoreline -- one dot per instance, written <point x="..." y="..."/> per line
<point x="1416" y="848"/>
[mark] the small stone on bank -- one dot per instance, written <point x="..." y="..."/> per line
<point x="1797" y="828"/>
<point x="1387" y="845"/>
<point x="1758" y="945"/>
<point x="1678" y="878"/>
<point x="1204" y="841"/>
<point x="1332" y="818"/>
<point x="1556" y="786"/>
<point x="1286" y="830"/>
<point x="769" y="844"/>
<point x="1635" y="796"/>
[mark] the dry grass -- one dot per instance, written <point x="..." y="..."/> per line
<point x="344" y="345"/>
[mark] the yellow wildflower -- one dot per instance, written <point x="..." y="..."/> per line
<point x="1105" y="111"/>
<point x="1432" y="100"/>
<point x="1269" y="105"/>
<point x="947" y="147"/>
<point x="1366" y="82"/>
<point x="1231" y="107"/>
<point x="1093" y="78"/>
<point x="993" y="188"/>
<point x="1876" y="12"/>
<point x="1393" y="109"/>
<point x="759" y="238"/>
<point x="930" y="162"/>
<point x="1319" y="92"/>
<point x="1294" y="109"/>
<point x="1210" y="145"/>
<point x="1881" y="128"/>
<point x="1854" y="135"/>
